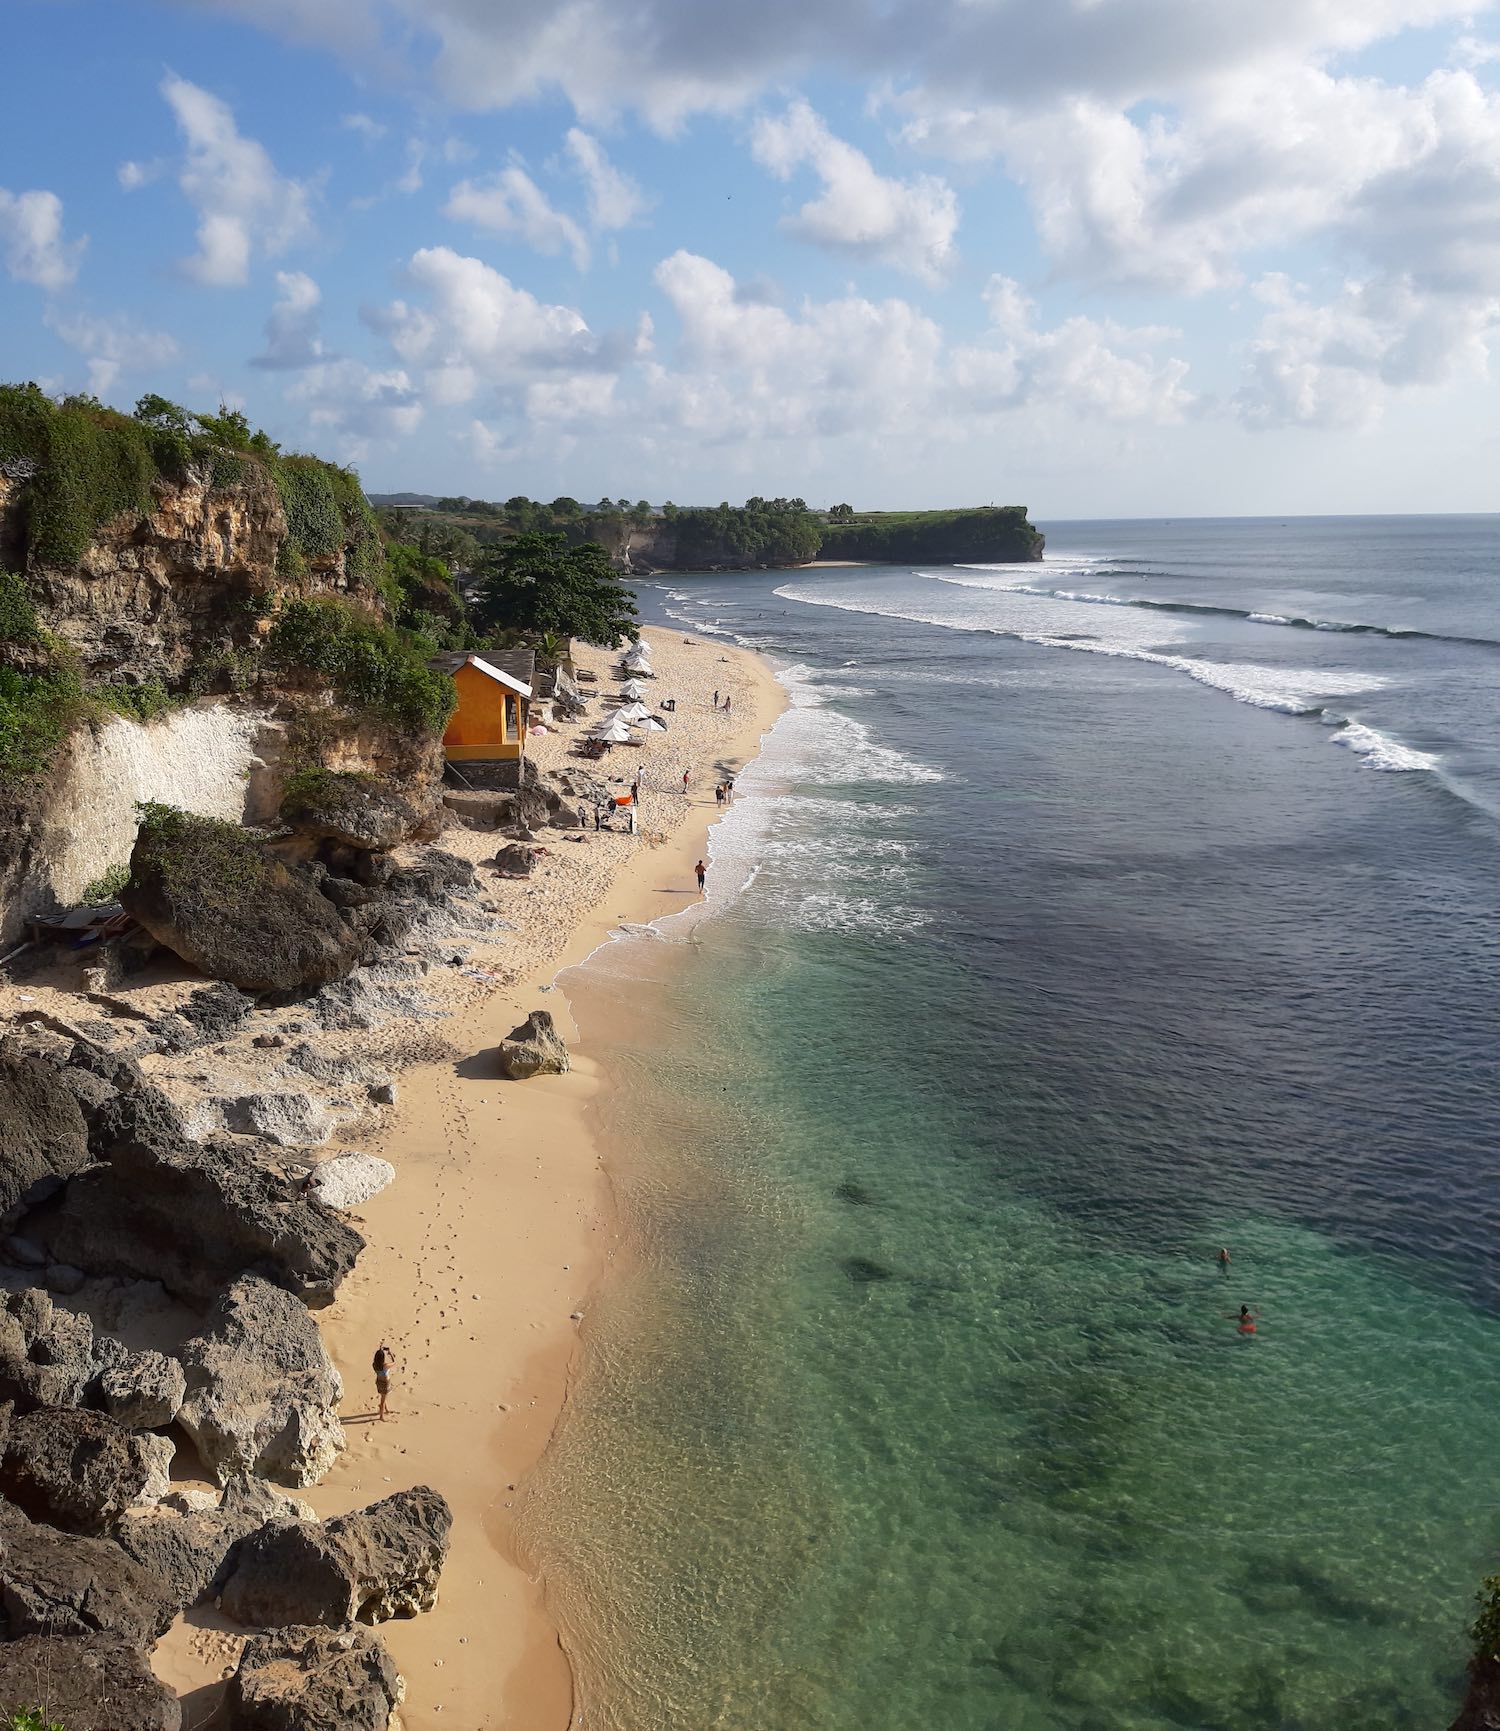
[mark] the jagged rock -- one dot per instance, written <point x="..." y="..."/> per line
<point x="144" y="1390"/>
<point x="288" y="1120"/>
<point x="43" y="1135"/>
<point x="262" y="1392"/>
<point x="376" y="869"/>
<point x="331" y="1067"/>
<point x="81" y="1470"/>
<point x="349" y="893"/>
<point x="186" y="1554"/>
<point x="220" y="898"/>
<point x="377" y="1563"/>
<point x="47" y="1355"/>
<point x="141" y="1114"/>
<point x="211" y="1014"/>
<point x="383" y="1093"/>
<point x="314" y="1680"/>
<point x="515" y="861"/>
<point x="54" y="1583"/>
<point x="96" y="1684"/>
<point x="63" y="1279"/>
<point x="435" y="877"/>
<point x="349" y="1179"/>
<point x="195" y="1218"/>
<point x="358" y="811"/>
<point x="533" y="1049"/>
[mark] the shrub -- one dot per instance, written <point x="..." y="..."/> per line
<point x="37" y="712"/>
<point x="143" y="702"/>
<point x="18" y="620"/>
<point x="1486" y="1626"/>
<point x="29" y="1719"/>
<point x="106" y="887"/>
<point x="370" y="666"/>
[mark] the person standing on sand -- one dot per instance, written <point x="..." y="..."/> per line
<point x="583" y="815"/>
<point x="635" y="788"/>
<point x="716" y="700"/>
<point x="684" y="783"/>
<point x="719" y="793"/>
<point x="726" y="702"/>
<point x="383" y="1364"/>
<point x="702" y="871"/>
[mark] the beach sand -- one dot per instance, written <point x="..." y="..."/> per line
<point x="483" y="1254"/>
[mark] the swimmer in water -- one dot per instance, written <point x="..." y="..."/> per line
<point x="1245" y="1320"/>
<point x="1223" y="1259"/>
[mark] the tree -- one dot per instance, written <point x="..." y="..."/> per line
<point x="537" y="583"/>
<point x="842" y="514"/>
<point x="564" y="509"/>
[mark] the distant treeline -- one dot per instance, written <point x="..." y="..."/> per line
<point x="765" y="532"/>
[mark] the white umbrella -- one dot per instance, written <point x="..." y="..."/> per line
<point x="656" y="722"/>
<point x="612" y="729"/>
<point x="633" y="691"/>
<point x="638" y="658"/>
<point x="633" y="712"/>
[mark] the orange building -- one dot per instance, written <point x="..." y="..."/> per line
<point x="494" y="700"/>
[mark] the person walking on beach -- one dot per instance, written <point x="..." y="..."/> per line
<point x="702" y="871"/>
<point x="383" y="1364"/>
<point x="719" y="793"/>
<point x="596" y="814"/>
<point x="635" y="788"/>
<point x="583" y="815"/>
<point x="716" y="700"/>
<point x="684" y="783"/>
<point x="729" y="789"/>
<point x="726" y="702"/>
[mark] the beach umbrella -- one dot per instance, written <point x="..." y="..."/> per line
<point x="633" y="712"/>
<point x="638" y="658"/>
<point x="654" y="723"/>
<point x="633" y="691"/>
<point x="612" y="729"/>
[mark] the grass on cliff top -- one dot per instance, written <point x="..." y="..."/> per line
<point x="85" y="465"/>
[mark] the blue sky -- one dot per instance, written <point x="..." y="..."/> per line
<point x="1103" y="257"/>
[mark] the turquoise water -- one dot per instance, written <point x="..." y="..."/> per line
<point x="919" y="1404"/>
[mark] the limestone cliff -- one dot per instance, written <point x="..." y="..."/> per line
<point x="148" y="652"/>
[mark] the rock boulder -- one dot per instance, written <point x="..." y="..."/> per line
<point x="94" y="1684"/>
<point x="218" y="897"/>
<point x="144" y="1390"/>
<point x="186" y="1554"/>
<point x="262" y="1392"/>
<point x="195" y="1217"/>
<point x="54" y="1583"/>
<point x="293" y="1679"/>
<point x="47" y="1355"/>
<point x="533" y="1049"/>
<point x="359" y="811"/>
<point x="80" y="1471"/>
<point x="377" y="1563"/>
<point x="43" y="1136"/>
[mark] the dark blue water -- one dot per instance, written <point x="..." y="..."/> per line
<point x="1074" y="924"/>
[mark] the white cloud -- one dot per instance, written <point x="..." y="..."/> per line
<point x="370" y="130"/>
<point x="31" y="237"/>
<point x="1332" y="365"/>
<point x="472" y="327"/>
<point x="908" y="223"/>
<point x="134" y="175"/>
<point x="292" y="337"/>
<point x="358" y="407"/>
<point x="242" y="202"/>
<point x="112" y="344"/>
<point x="615" y="200"/>
<point x="1083" y="366"/>
<point x="510" y="202"/>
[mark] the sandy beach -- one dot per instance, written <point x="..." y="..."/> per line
<point x="484" y="1253"/>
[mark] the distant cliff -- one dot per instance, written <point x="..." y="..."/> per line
<point x="983" y="535"/>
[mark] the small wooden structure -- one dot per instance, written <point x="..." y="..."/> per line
<point x="494" y="704"/>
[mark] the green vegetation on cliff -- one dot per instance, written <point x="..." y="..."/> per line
<point x="990" y="534"/>
<point x="370" y="666"/>
<point x="769" y="532"/>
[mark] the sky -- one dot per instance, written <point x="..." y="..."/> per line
<point x="1098" y="257"/>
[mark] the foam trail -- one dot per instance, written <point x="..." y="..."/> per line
<point x="1380" y="751"/>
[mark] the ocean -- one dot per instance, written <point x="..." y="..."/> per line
<point x="1078" y="920"/>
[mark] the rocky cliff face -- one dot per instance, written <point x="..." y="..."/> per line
<point x="155" y="598"/>
<point x="179" y="602"/>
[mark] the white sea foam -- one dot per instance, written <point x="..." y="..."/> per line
<point x="1380" y="751"/>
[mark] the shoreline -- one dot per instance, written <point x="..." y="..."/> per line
<point x="488" y="1249"/>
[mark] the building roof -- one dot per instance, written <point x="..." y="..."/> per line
<point x="513" y="668"/>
